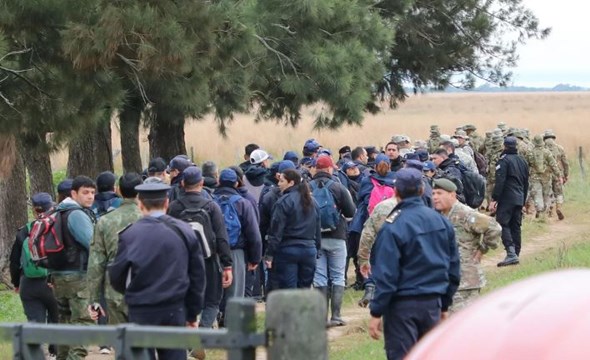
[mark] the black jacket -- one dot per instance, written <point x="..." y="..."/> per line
<point x="290" y="225"/>
<point x="15" y="255"/>
<point x="396" y="164"/>
<point x="155" y="267"/>
<point x="512" y="179"/>
<point x="270" y="195"/>
<point x="451" y="170"/>
<point x="343" y="202"/>
<point x="198" y="201"/>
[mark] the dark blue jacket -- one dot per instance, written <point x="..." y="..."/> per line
<point x="353" y="186"/>
<point x="414" y="255"/>
<point x="246" y="195"/>
<point x="154" y="267"/>
<point x="106" y="201"/>
<point x="250" y="240"/>
<point x="270" y="195"/>
<point x="362" y="208"/>
<point x="290" y="225"/>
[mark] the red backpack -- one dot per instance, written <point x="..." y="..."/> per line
<point x="379" y="193"/>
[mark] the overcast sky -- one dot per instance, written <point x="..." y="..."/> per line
<point x="564" y="57"/>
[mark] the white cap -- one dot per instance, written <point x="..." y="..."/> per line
<point x="258" y="156"/>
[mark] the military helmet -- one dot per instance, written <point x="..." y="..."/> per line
<point x="549" y="134"/>
<point x="469" y="127"/>
<point x="461" y="134"/>
<point x="538" y="140"/>
<point x="502" y="125"/>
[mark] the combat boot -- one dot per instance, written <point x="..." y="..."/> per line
<point x="550" y="212"/>
<point x="336" y="305"/>
<point x="560" y="215"/>
<point x="368" y="296"/>
<point x="511" y="258"/>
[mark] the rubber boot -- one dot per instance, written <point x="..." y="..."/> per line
<point x="336" y="305"/>
<point x="368" y="296"/>
<point x="324" y="291"/>
<point x="511" y="258"/>
<point x="560" y="215"/>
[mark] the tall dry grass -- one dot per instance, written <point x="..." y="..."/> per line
<point x="566" y="113"/>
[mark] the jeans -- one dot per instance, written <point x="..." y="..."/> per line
<point x="331" y="263"/>
<point x="294" y="266"/>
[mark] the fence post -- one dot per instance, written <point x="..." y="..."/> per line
<point x="240" y="318"/>
<point x="296" y="325"/>
<point x="581" y="161"/>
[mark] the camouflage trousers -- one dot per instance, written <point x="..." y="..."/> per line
<point x="72" y="300"/>
<point x="540" y="190"/>
<point x="557" y="188"/>
<point x="463" y="298"/>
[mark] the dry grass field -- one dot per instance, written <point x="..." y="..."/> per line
<point x="566" y="113"/>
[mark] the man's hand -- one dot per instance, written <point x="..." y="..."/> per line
<point x="444" y="315"/>
<point x="226" y="278"/>
<point x="366" y="270"/>
<point x="16" y="290"/>
<point x="477" y="256"/>
<point x="252" y="267"/>
<point x="268" y="264"/>
<point x="375" y="328"/>
<point x="493" y="206"/>
<point x="192" y="324"/>
<point x="95" y="311"/>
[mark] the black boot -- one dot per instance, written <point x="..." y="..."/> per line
<point x="511" y="258"/>
<point x="336" y="305"/>
<point x="368" y="296"/>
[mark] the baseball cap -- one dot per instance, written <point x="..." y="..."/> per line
<point x="285" y="165"/>
<point x="192" y="175"/>
<point x="407" y="178"/>
<point x="291" y="155"/>
<point x="412" y="156"/>
<point x="105" y="181"/>
<point x="381" y="158"/>
<point x="324" y="162"/>
<point x="429" y="166"/>
<point x="228" y="175"/>
<point x="157" y="165"/>
<point x="306" y="161"/>
<point x="414" y="164"/>
<point x="422" y="155"/>
<point x="311" y="146"/>
<point x="42" y="200"/>
<point x="510" y="141"/>
<point x="349" y="165"/>
<point x="344" y="150"/>
<point x="65" y="186"/>
<point x="259" y="156"/>
<point x="179" y="163"/>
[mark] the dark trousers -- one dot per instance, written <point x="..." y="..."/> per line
<point x="352" y="248"/>
<point x="294" y="267"/>
<point x="161" y="316"/>
<point x="39" y="303"/>
<point x="510" y="218"/>
<point x="213" y="291"/>
<point x="255" y="282"/>
<point x="406" y="321"/>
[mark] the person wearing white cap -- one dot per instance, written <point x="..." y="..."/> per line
<point x="255" y="174"/>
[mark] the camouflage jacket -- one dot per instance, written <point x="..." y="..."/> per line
<point x="103" y="248"/>
<point x="494" y="155"/>
<point x="543" y="164"/>
<point x="433" y="143"/>
<point x="474" y="231"/>
<point x="372" y="227"/>
<point x="559" y="155"/>
<point x="477" y="142"/>
<point x="524" y="149"/>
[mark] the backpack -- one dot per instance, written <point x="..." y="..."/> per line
<point x="474" y="187"/>
<point x="482" y="163"/>
<point x="230" y="217"/>
<point x="48" y="244"/>
<point x="329" y="214"/>
<point x="200" y="221"/>
<point x="30" y="269"/>
<point x="379" y="193"/>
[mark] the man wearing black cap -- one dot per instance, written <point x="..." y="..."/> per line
<point x="106" y="199"/>
<point x="157" y="168"/>
<point x="176" y="167"/>
<point x="159" y="267"/>
<point x="415" y="266"/>
<point x="186" y="209"/>
<point x="63" y="190"/>
<point x="508" y="198"/>
<point x="30" y="281"/>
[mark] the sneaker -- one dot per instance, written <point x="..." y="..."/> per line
<point x="104" y="350"/>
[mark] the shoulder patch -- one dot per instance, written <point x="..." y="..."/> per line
<point x="392" y="217"/>
<point x="502" y="156"/>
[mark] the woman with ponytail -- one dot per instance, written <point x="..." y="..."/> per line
<point x="294" y="235"/>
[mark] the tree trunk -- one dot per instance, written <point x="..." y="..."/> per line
<point x="167" y="133"/>
<point x="92" y="153"/>
<point x="38" y="163"/>
<point x="13" y="206"/>
<point x="8" y="151"/>
<point x="129" y="119"/>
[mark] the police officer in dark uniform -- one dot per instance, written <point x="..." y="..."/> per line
<point x="415" y="266"/>
<point x="160" y="268"/>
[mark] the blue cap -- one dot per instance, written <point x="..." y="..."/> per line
<point x="348" y="165"/>
<point x="412" y="156"/>
<point x="179" y="163"/>
<point x="291" y="155"/>
<point x="510" y="141"/>
<point x="42" y="200"/>
<point x="228" y="175"/>
<point x="192" y="175"/>
<point x="429" y="166"/>
<point x="324" y="151"/>
<point x="407" y="178"/>
<point x="306" y="161"/>
<point x="381" y="158"/>
<point x="105" y="181"/>
<point x="286" y="165"/>
<point x="422" y="155"/>
<point x="65" y="187"/>
<point x="414" y="164"/>
<point x="311" y="146"/>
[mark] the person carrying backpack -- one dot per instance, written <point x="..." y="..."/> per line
<point x="243" y="234"/>
<point x="106" y="198"/>
<point x="29" y="280"/>
<point x="336" y="206"/>
<point x="205" y="216"/>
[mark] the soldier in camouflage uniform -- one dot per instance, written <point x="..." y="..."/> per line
<point x="542" y="167"/>
<point x="434" y="140"/>
<point x="475" y="232"/>
<point x="494" y="152"/>
<point x="103" y="250"/>
<point x="477" y="142"/>
<point x="559" y="154"/>
<point x="503" y="128"/>
<point x="487" y="143"/>
<point x="368" y="236"/>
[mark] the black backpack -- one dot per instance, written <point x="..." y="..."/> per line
<point x="474" y="187"/>
<point x="200" y="221"/>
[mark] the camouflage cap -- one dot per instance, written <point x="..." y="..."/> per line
<point x="434" y="127"/>
<point x="502" y="125"/>
<point x="538" y="140"/>
<point x="497" y="131"/>
<point x="497" y="139"/>
<point x="519" y="134"/>
<point x="469" y="127"/>
<point x="549" y="134"/>
<point x="400" y="139"/>
<point x="459" y="128"/>
<point x="489" y="134"/>
<point x="445" y="137"/>
<point x="461" y="134"/>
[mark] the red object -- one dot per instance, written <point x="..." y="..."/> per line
<point x="544" y="317"/>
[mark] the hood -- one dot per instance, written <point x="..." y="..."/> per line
<point x="105" y="196"/>
<point x="256" y="175"/>
<point x="210" y="182"/>
<point x="68" y="203"/>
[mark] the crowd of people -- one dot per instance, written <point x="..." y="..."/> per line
<point x="171" y="246"/>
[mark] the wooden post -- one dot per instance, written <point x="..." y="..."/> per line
<point x="296" y="325"/>
<point x="192" y="154"/>
<point x="241" y="318"/>
<point x="581" y="161"/>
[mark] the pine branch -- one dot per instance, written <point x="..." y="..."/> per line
<point x="279" y="55"/>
